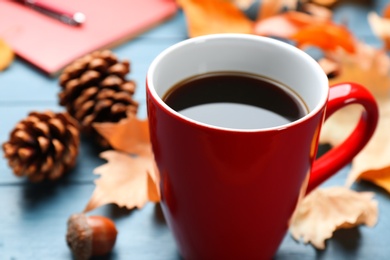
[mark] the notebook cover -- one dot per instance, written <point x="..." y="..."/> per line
<point x="50" y="45"/>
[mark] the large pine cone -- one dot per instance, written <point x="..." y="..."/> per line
<point x="43" y="146"/>
<point x="94" y="89"/>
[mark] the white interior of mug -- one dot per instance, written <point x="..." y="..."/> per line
<point x="242" y="53"/>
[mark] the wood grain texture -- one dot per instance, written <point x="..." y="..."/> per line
<point x="33" y="216"/>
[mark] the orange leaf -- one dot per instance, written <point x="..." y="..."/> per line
<point x="318" y="11"/>
<point x="243" y="4"/>
<point x="129" y="135"/>
<point x="125" y="181"/>
<point x="269" y="8"/>
<point x="379" y="177"/>
<point x="325" y="210"/>
<point x="286" y="25"/>
<point x="214" y="16"/>
<point x="325" y="2"/>
<point x="278" y="26"/>
<point x="6" y="55"/>
<point x="369" y="67"/>
<point x="386" y="11"/>
<point x="327" y="36"/>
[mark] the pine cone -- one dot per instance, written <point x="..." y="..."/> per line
<point x="94" y="89"/>
<point x="43" y="146"/>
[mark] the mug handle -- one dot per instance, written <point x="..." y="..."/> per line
<point x="341" y="95"/>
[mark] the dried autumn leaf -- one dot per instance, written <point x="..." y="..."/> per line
<point x="369" y="67"/>
<point x="326" y="36"/>
<point x="125" y="181"/>
<point x="323" y="211"/>
<point x="324" y="2"/>
<point x="6" y="55"/>
<point x="214" y="16"/>
<point x="373" y="162"/>
<point x="130" y="178"/>
<point x="243" y="4"/>
<point x="270" y="8"/>
<point x="386" y="11"/>
<point x="277" y="26"/>
<point x="130" y="135"/>
<point x="287" y="24"/>
<point x="318" y="11"/>
<point x="379" y="177"/>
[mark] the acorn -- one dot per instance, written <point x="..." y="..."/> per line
<point x="89" y="236"/>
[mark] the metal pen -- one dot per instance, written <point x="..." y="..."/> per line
<point x="65" y="16"/>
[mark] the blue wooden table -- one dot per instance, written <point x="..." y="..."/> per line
<point x="33" y="216"/>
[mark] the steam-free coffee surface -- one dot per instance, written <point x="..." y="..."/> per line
<point x="235" y="100"/>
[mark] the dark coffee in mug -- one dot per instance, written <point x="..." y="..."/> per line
<point x="235" y="100"/>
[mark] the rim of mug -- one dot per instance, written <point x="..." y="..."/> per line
<point x="152" y="90"/>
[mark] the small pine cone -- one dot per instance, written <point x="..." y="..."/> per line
<point x="43" y="146"/>
<point x="94" y="89"/>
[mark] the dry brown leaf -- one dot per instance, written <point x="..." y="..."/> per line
<point x="214" y="16"/>
<point x="130" y="177"/>
<point x="369" y="67"/>
<point x="125" y="181"/>
<point x="6" y="55"/>
<point x="130" y="135"/>
<point x="323" y="211"/>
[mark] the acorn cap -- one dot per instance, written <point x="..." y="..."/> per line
<point x="79" y="236"/>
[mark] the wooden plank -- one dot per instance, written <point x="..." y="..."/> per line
<point x="36" y="215"/>
<point x="33" y="224"/>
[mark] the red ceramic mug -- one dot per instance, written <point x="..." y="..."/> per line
<point x="228" y="193"/>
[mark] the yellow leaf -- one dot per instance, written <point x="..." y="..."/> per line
<point x="214" y="16"/>
<point x="369" y="67"/>
<point x="126" y="181"/>
<point x="323" y="211"/>
<point x="130" y="135"/>
<point x="6" y="55"/>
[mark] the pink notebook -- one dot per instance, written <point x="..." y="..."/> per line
<point x="50" y="45"/>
